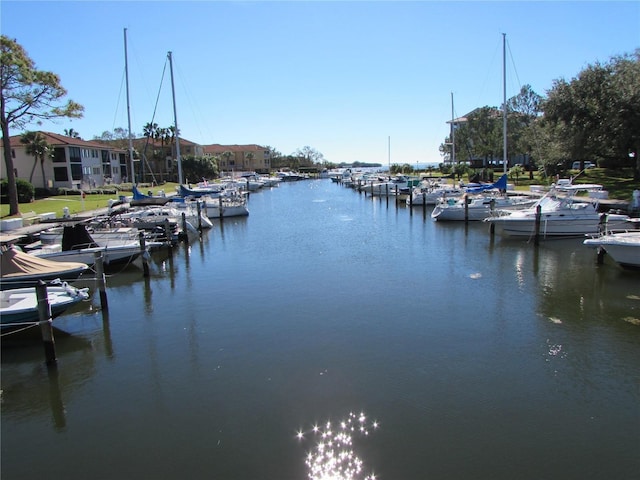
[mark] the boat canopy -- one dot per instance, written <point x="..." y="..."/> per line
<point x="15" y="264"/>
<point x="501" y="184"/>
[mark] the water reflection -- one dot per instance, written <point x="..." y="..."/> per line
<point x="334" y="456"/>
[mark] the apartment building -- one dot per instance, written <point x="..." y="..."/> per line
<point x="70" y="163"/>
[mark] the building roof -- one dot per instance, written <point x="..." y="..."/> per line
<point x="217" y="148"/>
<point x="56" y="139"/>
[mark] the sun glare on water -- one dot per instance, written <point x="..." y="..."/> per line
<point x="333" y="455"/>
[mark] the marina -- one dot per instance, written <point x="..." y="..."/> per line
<point x="332" y="321"/>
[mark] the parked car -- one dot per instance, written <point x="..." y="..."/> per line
<point x="576" y="165"/>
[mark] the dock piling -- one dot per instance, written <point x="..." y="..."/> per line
<point x="143" y="253"/>
<point x="46" y="328"/>
<point x="536" y="240"/>
<point x="101" y="281"/>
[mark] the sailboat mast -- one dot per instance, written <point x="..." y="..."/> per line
<point x="175" y="119"/>
<point x="126" y="76"/>
<point x="504" y="104"/>
<point x="389" y="152"/>
<point x="453" y="134"/>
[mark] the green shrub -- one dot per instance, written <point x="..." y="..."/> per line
<point x="26" y="191"/>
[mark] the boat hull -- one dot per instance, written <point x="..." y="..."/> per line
<point x="554" y="226"/>
<point x="110" y="255"/>
<point x="623" y="247"/>
<point x="21" y="304"/>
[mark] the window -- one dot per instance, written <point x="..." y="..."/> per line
<point x="75" y="155"/>
<point x="60" y="174"/>
<point x="97" y="171"/>
<point x="58" y="155"/>
<point x="76" y="171"/>
<point x="86" y="170"/>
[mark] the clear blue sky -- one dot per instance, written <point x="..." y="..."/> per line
<point x="341" y="77"/>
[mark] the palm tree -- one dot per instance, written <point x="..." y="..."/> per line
<point x="71" y="133"/>
<point x="150" y="130"/>
<point x="249" y="156"/>
<point x="36" y="145"/>
<point x="227" y="155"/>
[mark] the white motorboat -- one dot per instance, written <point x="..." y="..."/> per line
<point x="118" y="254"/>
<point x="269" y="181"/>
<point x="102" y="236"/>
<point x="20" y="305"/>
<point x="562" y="214"/>
<point x="622" y="247"/>
<point x="251" y="182"/>
<point x="77" y="245"/>
<point x="391" y="186"/>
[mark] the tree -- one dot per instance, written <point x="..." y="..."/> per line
<point x="71" y="133"/>
<point x="597" y="114"/>
<point x="199" y="168"/>
<point x="515" y="172"/>
<point x="311" y="155"/>
<point x="485" y="131"/>
<point x="118" y="138"/>
<point x="249" y="156"/>
<point x="37" y="146"/>
<point x="227" y="155"/>
<point x="26" y="95"/>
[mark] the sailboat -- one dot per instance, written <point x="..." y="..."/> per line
<point x="430" y="192"/>
<point x="493" y="196"/>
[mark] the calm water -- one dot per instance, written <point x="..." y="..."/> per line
<point x="332" y="334"/>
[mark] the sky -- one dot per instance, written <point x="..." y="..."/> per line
<point x="368" y="81"/>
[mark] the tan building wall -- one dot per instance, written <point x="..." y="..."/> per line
<point x="241" y="158"/>
<point x="72" y="163"/>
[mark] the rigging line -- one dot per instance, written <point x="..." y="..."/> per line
<point x="113" y="125"/>
<point x="196" y="113"/>
<point x="513" y="64"/>
<point x="490" y="71"/>
<point x="537" y="140"/>
<point x="155" y="110"/>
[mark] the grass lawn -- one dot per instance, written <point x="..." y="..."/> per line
<point x="75" y="203"/>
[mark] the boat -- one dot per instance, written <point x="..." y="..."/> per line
<point x="231" y="204"/>
<point x="172" y="212"/>
<point x="20" y="270"/>
<point x="291" y="176"/>
<point x="252" y="182"/>
<point x="430" y="193"/>
<point x="481" y="206"/>
<point x="140" y="199"/>
<point x="20" y="305"/>
<point x="101" y="234"/>
<point x="479" y="202"/>
<point x="270" y="181"/>
<point x="559" y="213"/>
<point x="623" y="246"/>
<point x="78" y="246"/>
<point x="341" y="175"/>
<point x="390" y="186"/>
<point x="476" y="208"/>
<point x="199" y="190"/>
